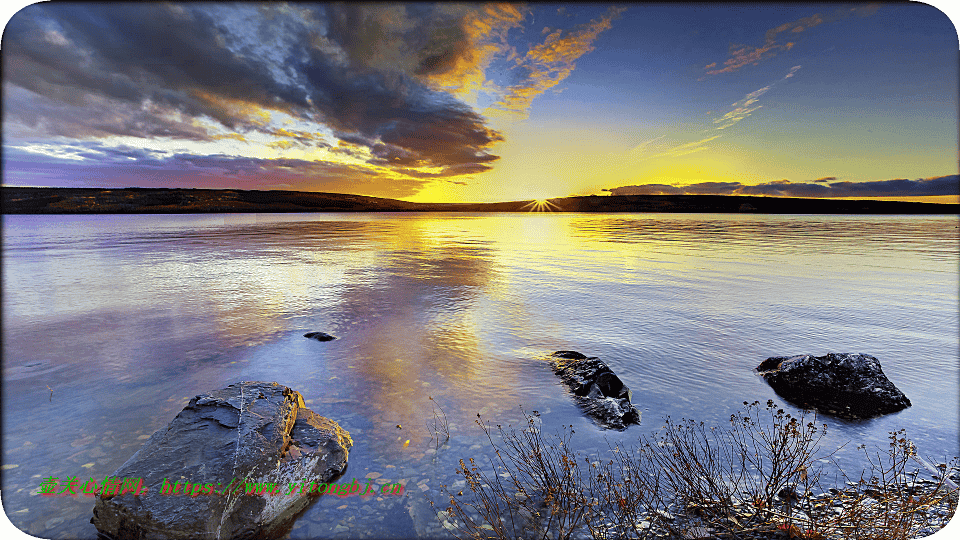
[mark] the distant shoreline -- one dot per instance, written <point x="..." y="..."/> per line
<point x="24" y="200"/>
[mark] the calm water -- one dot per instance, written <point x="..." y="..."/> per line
<point x="125" y="318"/>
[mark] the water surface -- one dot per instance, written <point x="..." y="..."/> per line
<point x="124" y="318"/>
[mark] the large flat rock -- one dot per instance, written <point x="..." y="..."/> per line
<point x="227" y="441"/>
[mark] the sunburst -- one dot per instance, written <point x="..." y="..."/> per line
<point x="541" y="205"/>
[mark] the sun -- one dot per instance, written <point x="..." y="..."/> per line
<point x="541" y="205"/>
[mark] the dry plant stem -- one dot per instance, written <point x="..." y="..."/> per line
<point x="441" y="428"/>
<point x="753" y="461"/>
<point x="885" y="503"/>
<point x="756" y="477"/>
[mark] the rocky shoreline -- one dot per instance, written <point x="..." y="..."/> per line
<point x="296" y="439"/>
<point x="807" y="515"/>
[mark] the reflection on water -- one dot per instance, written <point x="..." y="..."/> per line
<point x="124" y="318"/>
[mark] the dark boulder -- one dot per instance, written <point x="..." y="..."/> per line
<point x="841" y="384"/>
<point x="596" y="389"/>
<point x="319" y="336"/>
<point x="223" y="448"/>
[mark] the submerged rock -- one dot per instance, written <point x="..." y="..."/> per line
<point x="222" y="448"/>
<point x="319" y="336"/>
<point x="597" y="389"/>
<point x="842" y="384"/>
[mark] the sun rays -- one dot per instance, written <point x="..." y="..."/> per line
<point x="541" y="205"/>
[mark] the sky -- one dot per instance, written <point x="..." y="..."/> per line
<point x="485" y="102"/>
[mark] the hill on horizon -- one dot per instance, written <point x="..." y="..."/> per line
<point x="39" y="200"/>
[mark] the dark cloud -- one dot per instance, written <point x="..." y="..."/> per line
<point x="456" y="170"/>
<point x="783" y="188"/>
<point x="92" y="163"/>
<point x="940" y="185"/>
<point x="171" y="56"/>
<point x="152" y="69"/>
<point x="646" y="189"/>
<point x="826" y="179"/>
<point x="711" y="188"/>
<point x="27" y="114"/>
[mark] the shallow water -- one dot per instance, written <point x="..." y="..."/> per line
<point x="111" y="323"/>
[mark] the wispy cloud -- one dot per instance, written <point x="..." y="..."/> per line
<point x="934" y="186"/>
<point x="687" y="148"/>
<point x="748" y="104"/>
<point x="739" y="111"/>
<point x="780" y="39"/>
<point x="638" y="149"/>
<point x="546" y="65"/>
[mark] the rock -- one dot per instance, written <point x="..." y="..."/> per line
<point x="597" y="389"/>
<point x="846" y="385"/>
<point x="227" y="441"/>
<point x="319" y="336"/>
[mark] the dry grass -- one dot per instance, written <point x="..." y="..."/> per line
<point x="441" y="427"/>
<point x="761" y="476"/>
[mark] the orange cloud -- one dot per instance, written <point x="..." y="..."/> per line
<point x="459" y="65"/>
<point x="282" y="145"/>
<point x="301" y="138"/>
<point x="553" y="60"/>
<point x="742" y="55"/>
<point x="234" y="136"/>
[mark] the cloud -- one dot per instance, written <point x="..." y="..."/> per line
<point x="638" y="149"/>
<point x="193" y="71"/>
<point x="741" y="110"/>
<point x="710" y="188"/>
<point x="449" y="171"/>
<point x="940" y="185"/>
<point x="94" y="164"/>
<point x="457" y="57"/>
<point x="826" y="179"/>
<point x="782" y="38"/>
<point x="29" y="114"/>
<point x="300" y="137"/>
<point x="646" y="189"/>
<point x="934" y="186"/>
<point x="687" y="148"/>
<point x="546" y="65"/>
<point x="746" y="106"/>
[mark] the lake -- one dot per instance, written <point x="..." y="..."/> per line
<point x="111" y="323"/>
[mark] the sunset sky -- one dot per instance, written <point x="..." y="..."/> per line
<point x="478" y="102"/>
